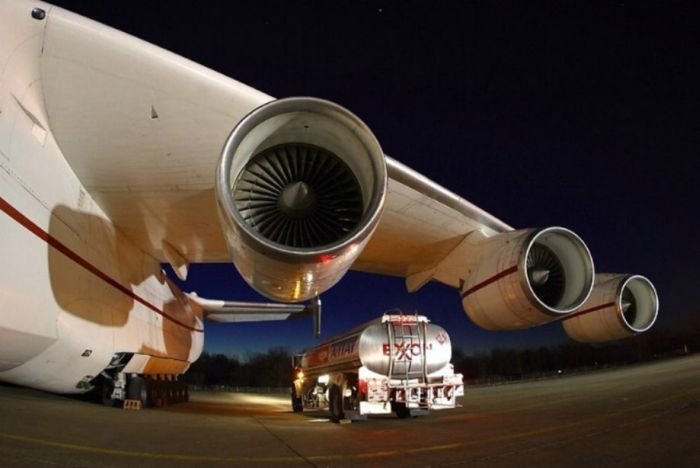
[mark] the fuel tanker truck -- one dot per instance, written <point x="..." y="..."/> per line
<point x="396" y="363"/>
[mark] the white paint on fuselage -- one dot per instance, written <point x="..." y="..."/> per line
<point x="64" y="312"/>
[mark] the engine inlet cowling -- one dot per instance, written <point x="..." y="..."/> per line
<point x="619" y="306"/>
<point x="300" y="186"/>
<point x="527" y="277"/>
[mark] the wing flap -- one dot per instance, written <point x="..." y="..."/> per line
<point x="233" y="311"/>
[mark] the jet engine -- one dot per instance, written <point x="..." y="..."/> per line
<point x="619" y="306"/>
<point x="300" y="186"/>
<point x="527" y="277"/>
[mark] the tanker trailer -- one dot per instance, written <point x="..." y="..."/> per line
<point x="396" y="363"/>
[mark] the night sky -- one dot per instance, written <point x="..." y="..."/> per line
<point x="579" y="114"/>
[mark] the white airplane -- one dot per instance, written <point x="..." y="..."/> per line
<point x="112" y="163"/>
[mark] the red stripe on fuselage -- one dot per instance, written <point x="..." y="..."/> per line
<point x="13" y="213"/>
<point x="493" y="279"/>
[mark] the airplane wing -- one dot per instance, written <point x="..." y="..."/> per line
<point x="143" y="129"/>
<point x="193" y="166"/>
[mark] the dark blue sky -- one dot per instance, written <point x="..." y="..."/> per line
<point x="579" y="114"/>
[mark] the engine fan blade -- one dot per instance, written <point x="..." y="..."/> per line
<point x="546" y="274"/>
<point x="628" y="305"/>
<point x="299" y="195"/>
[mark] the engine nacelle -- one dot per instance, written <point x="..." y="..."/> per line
<point x="300" y="186"/>
<point x="619" y="306"/>
<point x="528" y="277"/>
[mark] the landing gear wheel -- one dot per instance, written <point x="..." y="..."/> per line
<point x="179" y="391"/>
<point x="152" y="390"/>
<point x="170" y="386"/>
<point x="160" y="394"/>
<point x="336" y="403"/>
<point x="137" y="390"/>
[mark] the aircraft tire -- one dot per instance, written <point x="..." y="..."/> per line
<point x="138" y="390"/>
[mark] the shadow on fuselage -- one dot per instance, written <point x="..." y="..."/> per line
<point x="92" y="267"/>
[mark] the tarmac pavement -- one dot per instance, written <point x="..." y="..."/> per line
<point x="645" y="415"/>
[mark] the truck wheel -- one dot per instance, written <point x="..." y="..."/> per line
<point x="401" y="410"/>
<point x="137" y="390"/>
<point x="297" y="407"/>
<point x="336" y="403"/>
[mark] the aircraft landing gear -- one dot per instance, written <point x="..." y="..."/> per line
<point x="165" y="390"/>
<point x="150" y="390"/>
<point x="106" y="387"/>
<point x="137" y="390"/>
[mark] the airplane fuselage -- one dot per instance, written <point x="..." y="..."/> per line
<point x="76" y="295"/>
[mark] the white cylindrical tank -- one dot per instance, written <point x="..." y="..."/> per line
<point x="400" y="345"/>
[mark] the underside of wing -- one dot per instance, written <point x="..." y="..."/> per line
<point x="142" y="128"/>
<point x="193" y="166"/>
<point x="421" y="225"/>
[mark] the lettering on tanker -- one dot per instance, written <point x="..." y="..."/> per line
<point x="403" y="351"/>
<point x="343" y="348"/>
